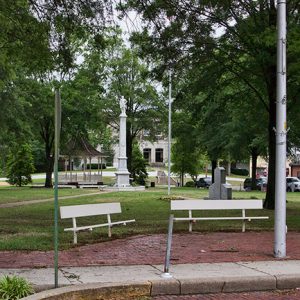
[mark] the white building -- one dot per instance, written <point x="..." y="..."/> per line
<point x="155" y="153"/>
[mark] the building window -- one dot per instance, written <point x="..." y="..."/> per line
<point x="159" y="155"/>
<point x="147" y="154"/>
<point x="146" y="132"/>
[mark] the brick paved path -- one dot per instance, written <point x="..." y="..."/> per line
<point x="150" y="249"/>
<point x="276" y="295"/>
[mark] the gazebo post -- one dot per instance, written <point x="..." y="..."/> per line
<point x="71" y="167"/>
<point x="84" y="168"/>
<point x="101" y="169"/>
<point x="90" y="168"/>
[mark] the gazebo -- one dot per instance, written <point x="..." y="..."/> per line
<point x="79" y="147"/>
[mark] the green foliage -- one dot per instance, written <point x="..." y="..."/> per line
<point x="242" y="172"/>
<point x="187" y="156"/>
<point x="38" y="153"/>
<point x="95" y="166"/>
<point x="190" y="184"/>
<point x="14" y="288"/>
<point x="20" y="166"/>
<point x="129" y="76"/>
<point x="139" y="172"/>
<point x="234" y="65"/>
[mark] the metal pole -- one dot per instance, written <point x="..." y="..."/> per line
<point x="56" y="150"/>
<point x="169" y="133"/>
<point x="281" y="131"/>
<point x="166" y="273"/>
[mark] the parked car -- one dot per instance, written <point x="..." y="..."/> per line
<point x="292" y="184"/>
<point x="259" y="183"/>
<point x="203" y="182"/>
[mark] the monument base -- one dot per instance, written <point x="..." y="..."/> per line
<point x="124" y="188"/>
<point x="122" y="183"/>
<point x="122" y="178"/>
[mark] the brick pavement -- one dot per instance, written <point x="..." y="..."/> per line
<point x="150" y="249"/>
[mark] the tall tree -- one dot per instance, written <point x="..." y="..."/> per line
<point x="145" y="108"/>
<point x="39" y="38"/>
<point x="238" y="35"/>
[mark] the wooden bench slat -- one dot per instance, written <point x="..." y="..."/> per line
<point x="215" y="204"/>
<point x="218" y="218"/>
<point x="86" y="210"/>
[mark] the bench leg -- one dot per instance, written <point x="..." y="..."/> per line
<point x="75" y="232"/>
<point x="75" y="237"/>
<point x="244" y="226"/>
<point x="244" y="221"/>
<point x="109" y="226"/>
<point x="191" y="222"/>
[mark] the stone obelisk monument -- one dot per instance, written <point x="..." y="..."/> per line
<point x="122" y="172"/>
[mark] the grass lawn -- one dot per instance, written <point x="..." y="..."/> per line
<point x="31" y="227"/>
<point x="17" y="194"/>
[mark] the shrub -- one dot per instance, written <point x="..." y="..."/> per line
<point x="14" y="287"/>
<point x="138" y="166"/>
<point x="242" y="172"/>
<point x="95" y="166"/>
<point x="190" y="184"/>
<point x="20" y="166"/>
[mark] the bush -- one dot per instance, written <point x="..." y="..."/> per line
<point x="20" y="166"/>
<point x="95" y="166"/>
<point x="190" y="184"/>
<point x="14" y="287"/>
<point x="242" y="172"/>
<point x="138" y="166"/>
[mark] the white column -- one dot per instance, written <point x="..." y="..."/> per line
<point x="281" y="129"/>
<point x="169" y="133"/>
<point x="122" y="174"/>
<point x="122" y="144"/>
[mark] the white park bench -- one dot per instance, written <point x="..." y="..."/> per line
<point x="86" y="210"/>
<point x="192" y="205"/>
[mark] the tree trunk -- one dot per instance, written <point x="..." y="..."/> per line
<point x="270" y="196"/>
<point x="271" y="86"/>
<point x="129" y="141"/>
<point x="49" y="167"/>
<point x="213" y="166"/>
<point x="48" y="138"/>
<point x="254" y="155"/>
<point x="182" y="177"/>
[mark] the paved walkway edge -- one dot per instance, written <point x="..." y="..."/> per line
<point x="146" y="280"/>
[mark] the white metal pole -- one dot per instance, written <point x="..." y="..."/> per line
<point x="281" y="131"/>
<point x="57" y="126"/>
<point x="169" y="133"/>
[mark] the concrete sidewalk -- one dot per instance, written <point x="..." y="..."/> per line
<point x="186" y="278"/>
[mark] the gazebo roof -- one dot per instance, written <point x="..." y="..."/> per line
<point x="80" y="147"/>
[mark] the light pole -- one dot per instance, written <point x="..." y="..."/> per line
<point x="281" y="131"/>
<point x="169" y="132"/>
<point x="56" y="156"/>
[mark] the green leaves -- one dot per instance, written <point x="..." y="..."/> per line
<point x="20" y="166"/>
<point x="14" y="288"/>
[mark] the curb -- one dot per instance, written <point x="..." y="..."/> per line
<point x="92" y="291"/>
<point x="129" y="290"/>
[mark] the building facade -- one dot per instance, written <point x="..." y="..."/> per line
<point x="155" y="153"/>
